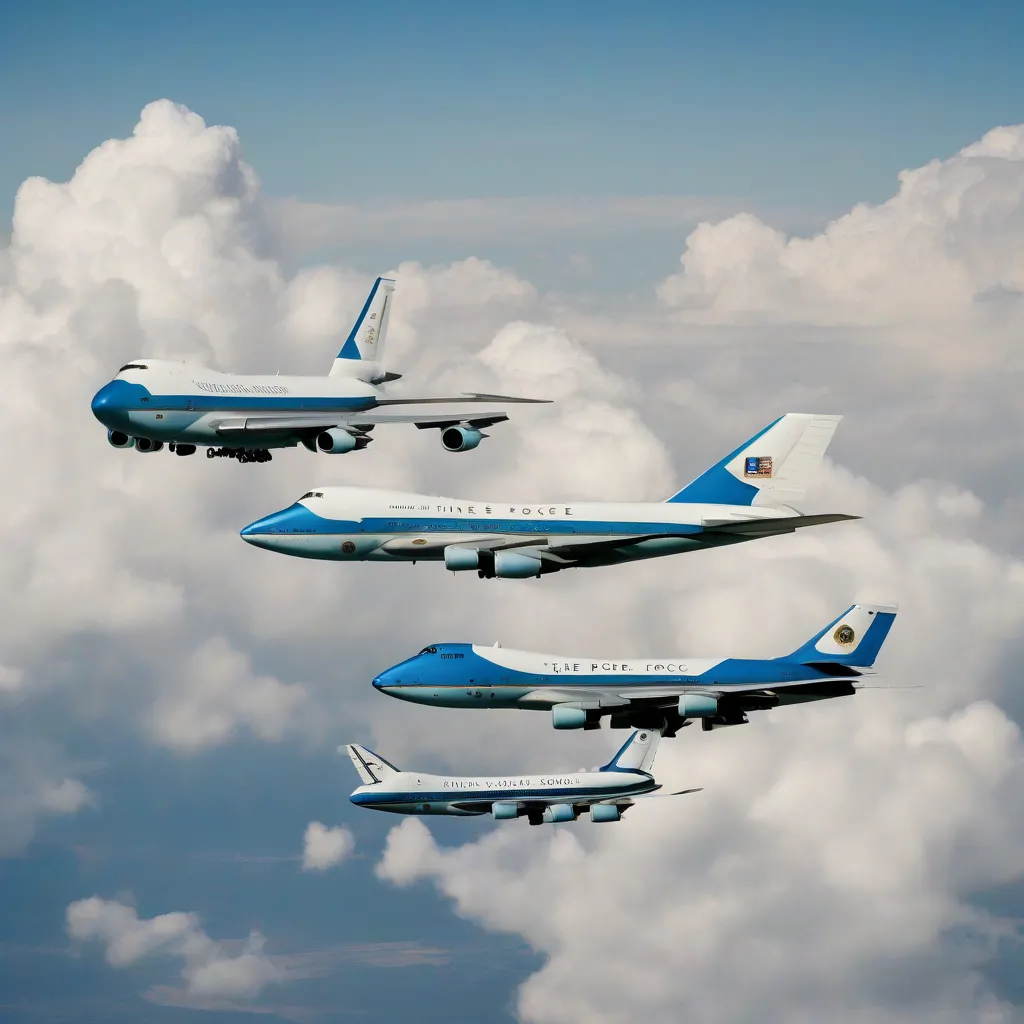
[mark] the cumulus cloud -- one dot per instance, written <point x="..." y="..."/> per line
<point x="325" y="847"/>
<point x="947" y="245"/>
<point x="837" y="849"/>
<point x="211" y="969"/>
<point x="798" y="886"/>
<point x="219" y="692"/>
<point x="34" y="785"/>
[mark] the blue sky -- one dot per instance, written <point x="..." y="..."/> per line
<point x="785" y="103"/>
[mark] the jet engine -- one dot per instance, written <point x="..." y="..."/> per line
<point x="458" y="559"/>
<point x="335" y="441"/>
<point x="502" y="809"/>
<point x="145" y="445"/>
<point x="511" y="565"/>
<point x="605" y="812"/>
<point x="119" y="439"/>
<point x="565" y="717"/>
<point x="698" y="705"/>
<point x="460" y="439"/>
<point x="559" y="812"/>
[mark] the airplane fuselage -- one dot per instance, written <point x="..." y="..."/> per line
<point x="416" y="793"/>
<point x="191" y="404"/>
<point x="459" y="675"/>
<point x="357" y="524"/>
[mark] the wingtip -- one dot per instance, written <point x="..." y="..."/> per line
<point x="484" y="397"/>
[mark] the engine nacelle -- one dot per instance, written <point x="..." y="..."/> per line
<point x="460" y="559"/>
<point x="335" y="441"/>
<point x="503" y="809"/>
<point x="511" y="565"/>
<point x="605" y="812"/>
<point x="460" y="439"/>
<point x="145" y="445"/>
<point x="119" y="439"/>
<point x="559" y="812"/>
<point x="565" y="717"/>
<point x="697" y="705"/>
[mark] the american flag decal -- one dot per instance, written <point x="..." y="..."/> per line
<point x="756" y="466"/>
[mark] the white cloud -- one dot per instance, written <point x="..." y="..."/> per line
<point x="219" y="692"/>
<point x="947" y="245"/>
<point x="325" y="847"/>
<point x="33" y="786"/>
<point x="826" y="860"/>
<point x="835" y="849"/>
<point x="211" y="969"/>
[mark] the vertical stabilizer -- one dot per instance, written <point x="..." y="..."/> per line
<point x="363" y="352"/>
<point x="855" y="638"/>
<point x="637" y="753"/>
<point x="773" y="468"/>
<point x="371" y="767"/>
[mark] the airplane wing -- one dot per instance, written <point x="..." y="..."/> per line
<point x="357" y="422"/>
<point x="469" y="396"/>
<point x="745" y="696"/>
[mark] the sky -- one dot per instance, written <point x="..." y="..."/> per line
<point x="676" y="221"/>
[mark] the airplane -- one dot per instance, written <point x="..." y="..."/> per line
<point x="650" y="693"/>
<point x="741" y="498"/>
<point x="607" y="792"/>
<point x="156" y="401"/>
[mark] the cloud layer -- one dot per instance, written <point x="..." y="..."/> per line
<point x="834" y="862"/>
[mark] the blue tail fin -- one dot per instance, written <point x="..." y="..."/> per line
<point x="777" y="464"/>
<point x="855" y="638"/>
<point x="636" y="754"/>
<point x="365" y="342"/>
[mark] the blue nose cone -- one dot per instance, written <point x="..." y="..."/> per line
<point x="105" y="404"/>
<point x="284" y="522"/>
<point x="111" y="404"/>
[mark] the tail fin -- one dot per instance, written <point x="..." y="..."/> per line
<point x="371" y="767"/>
<point x="636" y="754"/>
<point x="362" y="354"/>
<point x="855" y="638"/>
<point x="775" y="465"/>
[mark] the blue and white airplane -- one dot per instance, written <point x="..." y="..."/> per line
<point x="741" y="498"/>
<point x="607" y="791"/>
<point x="156" y="401"/>
<point x="651" y="693"/>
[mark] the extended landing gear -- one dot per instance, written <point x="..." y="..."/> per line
<point x="181" y="449"/>
<point x="242" y="454"/>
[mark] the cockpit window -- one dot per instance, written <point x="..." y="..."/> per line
<point x="429" y="650"/>
<point x="312" y="494"/>
<point x="133" y="366"/>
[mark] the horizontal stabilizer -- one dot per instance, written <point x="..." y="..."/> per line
<point x="767" y="527"/>
<point x="371" y="767"/>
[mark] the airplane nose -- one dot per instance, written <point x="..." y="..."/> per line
<point x="263" y="530"/>
<point x="106" y="403"/>
<point x="294" y="530"/>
